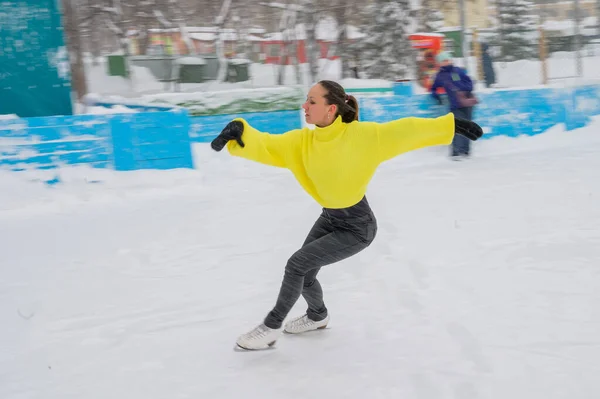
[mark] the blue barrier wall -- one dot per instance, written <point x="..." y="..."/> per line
<point x="162" y="139"/>
<point x="155" y="140"/>
<point x="45" y="143"/>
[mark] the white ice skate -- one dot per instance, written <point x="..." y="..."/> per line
<point x="261" y="337"/>
<point x="303" y="324"/>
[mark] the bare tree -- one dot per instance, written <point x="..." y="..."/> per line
<point x="115" y="19"/>
<point x="241" y="19"/>
<point x="178" y="15"/>
<point x="385" y="50"/>
<point x="75" y="49"/>
<point x="288" y="31"/>
<point x="219" y="45"/>
<point x="87" y="23"/>
<point x="143" y="19"/>
<point x="309" y="18"/>
<point x="430" y="16"/>
<point x="340" y="15"/>
<point x="287" y="26"/>
<point x="107" y="25"/>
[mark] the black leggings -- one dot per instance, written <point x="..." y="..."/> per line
<point x="336" y="235"/>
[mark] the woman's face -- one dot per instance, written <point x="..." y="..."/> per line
<point x="316" y="110"/>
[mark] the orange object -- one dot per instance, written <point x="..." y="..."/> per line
<point x="429" y="46"/>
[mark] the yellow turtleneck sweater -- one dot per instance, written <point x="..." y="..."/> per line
<point x="334" y="164"/>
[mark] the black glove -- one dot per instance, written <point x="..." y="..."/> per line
<point x="469" y="129"/>
<point x="233" y="131"/>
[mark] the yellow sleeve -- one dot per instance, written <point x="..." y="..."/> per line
<point x="265" y="148"/>
<point x="408" y="134"/>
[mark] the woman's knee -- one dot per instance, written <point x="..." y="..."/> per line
<point x="297" y="265"/>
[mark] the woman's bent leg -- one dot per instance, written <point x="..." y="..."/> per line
<point x="326" y="250"/>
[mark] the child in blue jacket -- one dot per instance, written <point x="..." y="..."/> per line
<point x="453" y="80"/>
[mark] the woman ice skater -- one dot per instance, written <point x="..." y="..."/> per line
<point x="334" y="164"/>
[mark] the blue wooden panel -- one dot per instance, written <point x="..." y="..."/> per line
<point x="159" y="137"/>
<point x="284" y="121"/>
<point x="46" y="142"/>
<point x="74" y="124"/>
<point x="34" y="129"/>
<point x="14" y="128"/>
<point x="160" y="150"/>
<point x="385" y="109"/>
<point x="137" y="140"/>
<point x="39" y="161"/>
<point x="584" y="103"/>
<point x="587" y="100"/>
<point x="53" y="147"/>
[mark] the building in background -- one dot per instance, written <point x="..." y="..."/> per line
<point x="565" y="10"/>
<point x="477" y="14"/>
<point x="265" y="47"/>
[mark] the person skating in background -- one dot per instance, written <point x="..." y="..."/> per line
<point x="334" y="164"/>
<point x="459" y="89"/>
<point x="488" y="67"/>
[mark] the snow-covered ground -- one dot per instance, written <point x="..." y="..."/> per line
<point x="560" y="67"/>
<point x="483" y="281"/>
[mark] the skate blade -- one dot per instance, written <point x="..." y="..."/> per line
<point x="304" y="332"/>
<point x="238" y="348"/>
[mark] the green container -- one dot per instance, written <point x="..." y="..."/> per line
<point x="212" y="66"/>
<point x="238" y="70"/>
<point x="161" y="66"/>
<point x="116" y="65"/>
<point x="192" y="73"/>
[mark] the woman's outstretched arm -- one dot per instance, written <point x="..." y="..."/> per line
<point x="412" y="133"/>
<point x="244" y="141"/>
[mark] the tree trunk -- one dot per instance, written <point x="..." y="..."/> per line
<point x="342" y="45"/>
<point x="312" y="52"/>
<point x="244" y="46"/>
<point x="143" y="40"/>
<point x="287" y="28"/>
<point x="95" y="43"/>
<point x="296" y="62"/>
<point x="219" y="45"/>
<point x="75" y="50"/>
<point x="283" y="60"/>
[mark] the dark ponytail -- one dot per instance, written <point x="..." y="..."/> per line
<point x="347" y="105"/>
